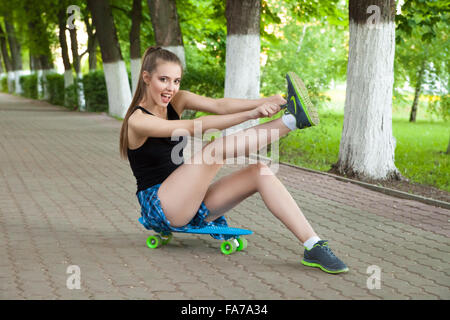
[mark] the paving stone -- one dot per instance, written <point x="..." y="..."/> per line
<point x="81" y="209"/>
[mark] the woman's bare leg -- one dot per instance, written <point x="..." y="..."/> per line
<point x="183" y="191"/>
<point x="232" y="189"/>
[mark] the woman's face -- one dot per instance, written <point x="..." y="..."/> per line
<point x="164" y="83"/>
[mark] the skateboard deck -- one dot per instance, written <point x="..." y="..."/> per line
<point x="236" y="243"/>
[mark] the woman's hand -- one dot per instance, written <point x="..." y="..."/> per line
<point x="276" y="99"/>
<point x="267" y="109"/>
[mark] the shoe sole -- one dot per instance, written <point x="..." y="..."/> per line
<point x="302" y="94"/>
<point x="316" y="265"/>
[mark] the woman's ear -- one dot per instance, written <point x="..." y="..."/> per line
<point x="146" y="77"/>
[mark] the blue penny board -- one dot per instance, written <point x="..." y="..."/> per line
<point x="215" y="230"/>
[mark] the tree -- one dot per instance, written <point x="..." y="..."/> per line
<point x="448" y="147"/>
<point x="92" y="43"/>
<point x="16" y="53"/>
<point x="135" y="43"/>
<point x="367" y="145"/>
<point x="76" y="58"/>
<point x="166" y="26"/>
<point x="242" y="71"/>
<point x="62" y="20"/>
<point x="38" y="29"/>
<point x="7" y="60"/>
<point x="310" y="45"/>
<point x="116" y="77"/>
<point x="422" y="49"/>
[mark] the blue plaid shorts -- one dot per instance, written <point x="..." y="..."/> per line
<point x="154" y="218"/>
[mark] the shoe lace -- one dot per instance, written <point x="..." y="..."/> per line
<point x="327" y="248"/>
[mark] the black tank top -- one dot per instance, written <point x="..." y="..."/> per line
<point x="157" y="158"/>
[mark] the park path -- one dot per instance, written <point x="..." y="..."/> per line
<point x="67" y="199"/>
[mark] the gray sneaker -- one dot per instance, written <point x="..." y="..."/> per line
<point x="299" y="104"/>
<point x="322" y="257"/>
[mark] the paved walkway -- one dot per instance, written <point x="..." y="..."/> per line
<point x="67" y="199"/>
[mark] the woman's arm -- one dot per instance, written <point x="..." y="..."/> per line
<point x="150" y="126"/>
<point x="188" y="100"/>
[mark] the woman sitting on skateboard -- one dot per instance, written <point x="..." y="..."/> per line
<point x="174" y="196"/>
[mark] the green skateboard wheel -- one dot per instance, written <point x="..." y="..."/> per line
<point x="166" y="238"/>
<point x="154" y="242"/>
<point x="242" y="244"/>
<point x="228" y="247"/>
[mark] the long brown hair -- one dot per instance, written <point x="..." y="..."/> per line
<point x="150" y="60"/>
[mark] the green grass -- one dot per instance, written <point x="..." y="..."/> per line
<point x="419" y="155"/>
<point x="420" y="152"/>
<point x="316" y="147"/>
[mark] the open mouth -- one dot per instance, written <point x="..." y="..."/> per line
<point x="166" y="97"/>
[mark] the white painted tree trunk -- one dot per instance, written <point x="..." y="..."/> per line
<point x="119" y="94"/>
<point x="68" y="81"/>
<point x="11" y="81"/>
<point x="68" y="78"/>
<point x="242" y="73"/>
<point x="45" y="93"/>
<point x="17" y="75"/>
<point x="367" y="145"/>
<point x="40" y="88"/>
<point x="80" y="91"/>
<point x="135" y="67"/>
<point x="179" y="51"/>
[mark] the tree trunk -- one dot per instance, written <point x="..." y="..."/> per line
<point x="302" y="36"/>
<point x="46" y="64"/>
<point x="167" y="27"/>
<point x="412" y="116"/>
<point x="242" y="73"/>
<point x="68" y="75"/>
<point x="116" y="77"/>
<point x="7" y="60"/>
<point x="448" y="147"/>
<point x="135" y="43"/>
<point x="74" y="48"/>
<point x="367" y="145"/>
<point x="92" y="44"/>
<point x="76" y="65"/>
<point x="39" y="44"/>
<point x="16" y="57"/>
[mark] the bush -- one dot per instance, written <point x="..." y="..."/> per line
<point x="29" y="86"/>
<point x="206" y="82"/>
<point x="439" y="106"/>
<point x="71" y="93"/>
<point x="95" y="92"/>
<point x="4" y="84"/>
<point x="55" y="87"/>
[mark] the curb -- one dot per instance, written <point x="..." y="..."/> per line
<point x="387" y="191"/>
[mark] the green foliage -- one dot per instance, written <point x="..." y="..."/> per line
<point x="439" y="106"/>
<point x="121" y="13"/>
<point x="4" y="84"/>
<point x="313" y="10"/>
<point x="29" y="86"/>
<point x="95" y="92"/>
<point x="203" y="25"/>
<point x="71" y="92"/>
<point x="424" y="15"/>
<point x="317" y="53"/>
<point x="55" y="87"/>
<point x="422" y="40"/>
<point x="204" y="81"/>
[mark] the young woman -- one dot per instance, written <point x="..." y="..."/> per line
<point x="174" y="196"/>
